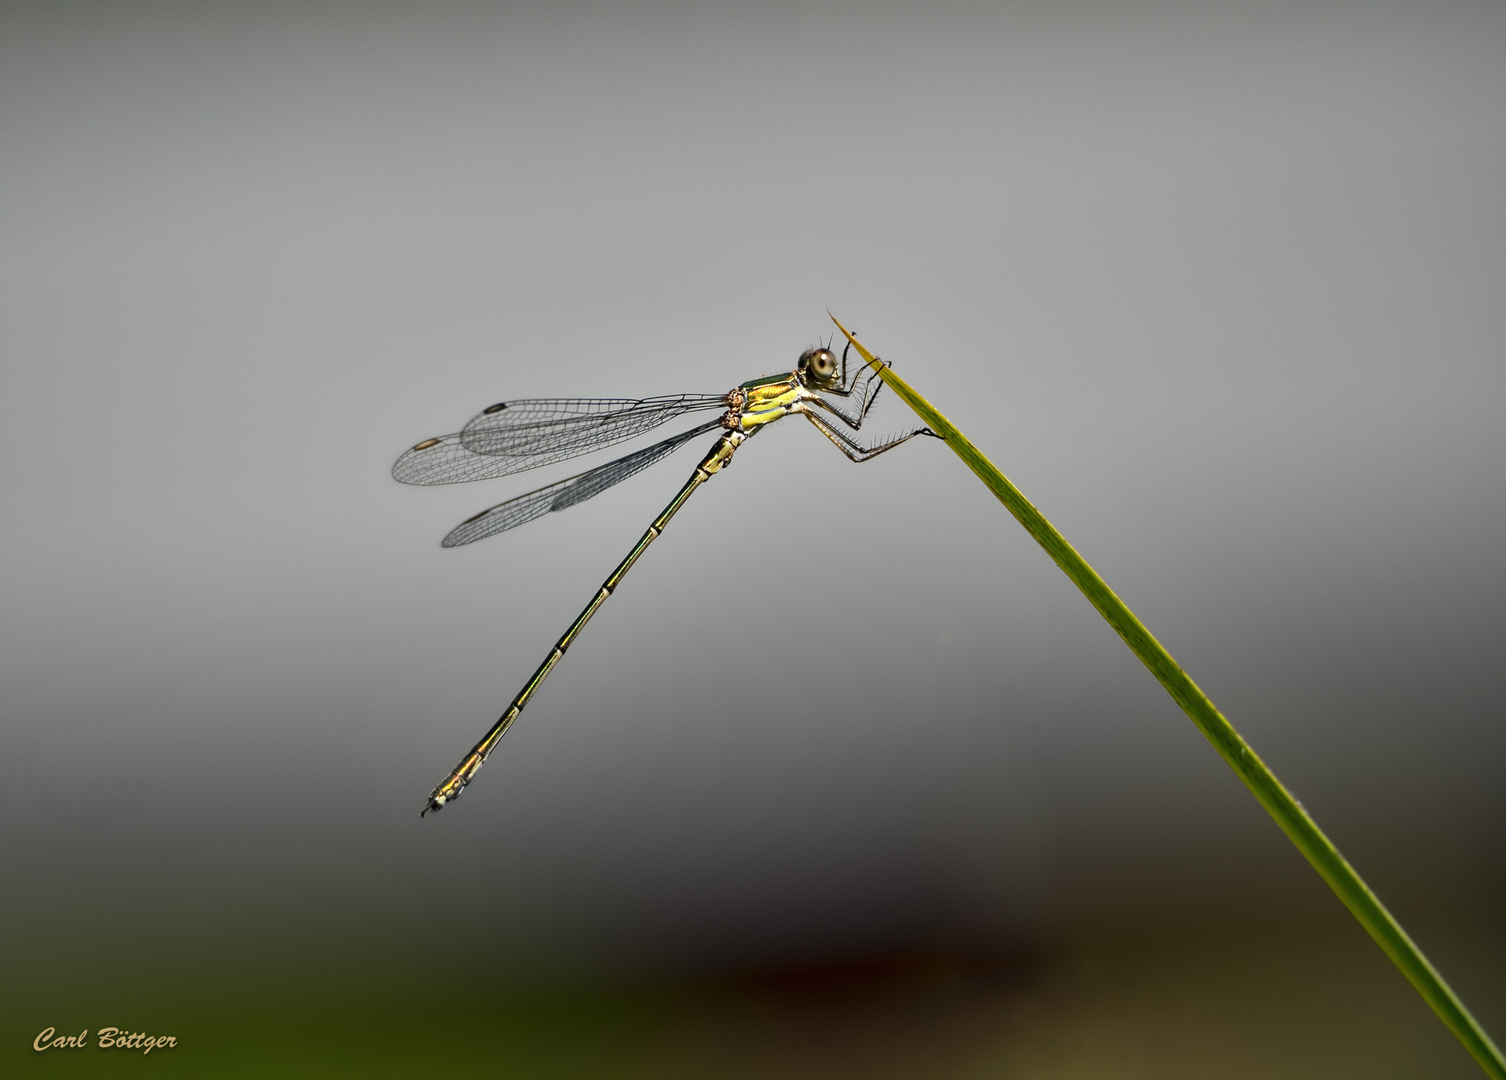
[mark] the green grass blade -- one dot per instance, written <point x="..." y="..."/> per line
<point x="1278" y="802"/>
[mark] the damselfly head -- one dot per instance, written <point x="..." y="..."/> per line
<point x="817" y="368"/>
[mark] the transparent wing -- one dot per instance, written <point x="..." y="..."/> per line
<point x="443" y="460"/>
<point x="564" y="427"/>
<point x="566" y="493"/>
<point x="514" y="436"/>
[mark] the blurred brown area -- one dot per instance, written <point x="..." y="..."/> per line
<point x="1227" y="1007"/>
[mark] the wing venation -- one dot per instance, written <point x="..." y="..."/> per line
<point x="569" y="492"/>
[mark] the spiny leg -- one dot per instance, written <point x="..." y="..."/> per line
<point x="867" y="394"/>
<point x="853" y="421"/>
<point x="855" y="450"/>
<point x="848" y="387"/>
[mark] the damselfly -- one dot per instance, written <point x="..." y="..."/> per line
<point x="513" y="436"/>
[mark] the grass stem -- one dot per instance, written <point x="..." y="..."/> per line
<point x="1278" y="802"/>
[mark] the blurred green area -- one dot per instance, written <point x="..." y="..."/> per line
<point x="1230" y="1005"/>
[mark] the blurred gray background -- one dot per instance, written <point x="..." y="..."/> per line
<point x="1219" y="286"/>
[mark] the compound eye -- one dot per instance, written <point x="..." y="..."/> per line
<point x="823" y="364"/>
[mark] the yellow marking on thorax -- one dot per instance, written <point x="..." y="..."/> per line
<point x="766" y="404"/>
